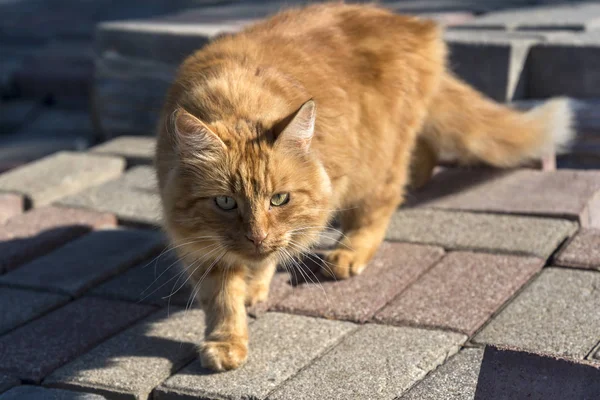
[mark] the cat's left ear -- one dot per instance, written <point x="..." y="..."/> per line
<point x="297" y="130"/>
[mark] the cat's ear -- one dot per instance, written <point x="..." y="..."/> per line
<point x="193" y="137"/>
<point x="297" y="130"/>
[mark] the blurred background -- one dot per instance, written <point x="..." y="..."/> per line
<point x="75" y="73"/>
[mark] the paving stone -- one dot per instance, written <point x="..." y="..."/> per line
<point x="59" y="175"/>
<point x="60" y="69"/>
<point x="565" y="193"/>
<point x="455" y="230"/>
<point x="59" y="123"/>
<point x="13" y="114"/>
<point x="20" y="306"/>
<point x="34" y="350"/>
<point x="494" y="62"/>
<point x="7" y="382"/>
<point x="497" y="373"/>
<point x="131" y="364"/>
<point x="461" y="292"/>
<point x="10" y="205"/>
<point x="150" y="282"/>
<point x="583" y="251"/>
<point x="40" y="231"/>
<point x="556" y="314"/>
<point x="375" y="362"/>
<point x="570" y="17"/>
<point x="280" y="345"/>
<point x="135" y="149"/>
<point x="133" y="197"/>
<point x="565" y="66"/>
<point x="39" y="393"/>
<point x="83" y="263"/>
<point x="394" y="268"/>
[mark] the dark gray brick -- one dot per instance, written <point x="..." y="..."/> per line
<point x="154" y="282"/>
<point x="556" y="314"/>
<point x="570" y="17"/>
<point x="133" y="197"/>
<point x="13" y="114"/>
<point x="496" y="373"/>
<point x="566" y="66"/>
<point x="59" y="175"/>
<point x="456" y="230"/>
<point x="81" y="264"/>
<point x="375" y="362"/>
<point x="493" y="62"/>
<point x="40" y="231"/>
<point x="280" y="345"/>
<point x="20" y="306"/>
<point x="132" y="363"/>
<point x="7" y="382"/>
<point x="34" y="350"/>
<point x="39" y="393"/>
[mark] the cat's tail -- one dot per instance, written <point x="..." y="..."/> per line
<point x="465" y="126"/>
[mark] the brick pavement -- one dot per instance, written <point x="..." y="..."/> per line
<point x="486" y="287"/>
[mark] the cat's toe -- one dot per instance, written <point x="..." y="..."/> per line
<point x="223" y="356"/>
<point x="344" y="263"/>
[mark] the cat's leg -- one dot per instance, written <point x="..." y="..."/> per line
<point x="258" y="282"/>
<point x="222" y="295"/>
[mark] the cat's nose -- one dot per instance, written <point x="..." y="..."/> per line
<point x="256" y="237"/>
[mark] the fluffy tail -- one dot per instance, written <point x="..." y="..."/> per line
<point x="464" y="126"/>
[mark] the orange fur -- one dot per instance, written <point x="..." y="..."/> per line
<point x="325" y="103"/>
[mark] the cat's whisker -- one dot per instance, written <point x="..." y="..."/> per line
<point x="319" y="261"/>
<point x="300" y="264"/>
<point x="197" y="286"/>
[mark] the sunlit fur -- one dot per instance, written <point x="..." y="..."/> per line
<point x="378" y="81"/>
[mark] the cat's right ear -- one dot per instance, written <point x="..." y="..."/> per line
<point x="194" y="138"/>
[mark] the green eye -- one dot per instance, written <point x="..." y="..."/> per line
<point x="280" y="199"/>
<point x="225" y="203"/>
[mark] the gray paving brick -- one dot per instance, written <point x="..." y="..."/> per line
<point x="10" y="205"/>
<point x="39" y="393"/>
<point x="83" y="263"/>
<point x="492" y="61"/>
<point x="280" y="345"/>
<point x="135" y="149"/>
<point x="570" y="17"/>
<point x="40" y="231"/>
<point x="565" y="66"/>
<point x="556" y="314"/>
<point x="132" y="363"/>
<point x="7" y="382"/>
<point x="496" y="373"/>
<point x="20" y="306"/>
<point x="461" y="292"/>
<point x="36" y="349"/>
<point x="582" y="251"/>
<point x="151" y="281"/>
<point x="133" y="197"/>
<point x="568" y="194"/>
<point x="13" y="114"/>
<point x="60" y="175"/>
<point x="457" y="230"/>
<point x="374" y="362"/>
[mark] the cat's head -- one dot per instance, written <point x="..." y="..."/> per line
<point x="243" y="191"/>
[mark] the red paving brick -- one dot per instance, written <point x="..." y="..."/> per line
<point x="34" y="350"/>
<point x="562" y="193"/>
<point x="395" y="266"/>
<point x="40" y="231"/>
<point x="461" y="292"/>
<point x="583" y="251"/>
<point x="10" y="205"/>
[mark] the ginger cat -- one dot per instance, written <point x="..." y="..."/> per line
<point x="266" y="133"/>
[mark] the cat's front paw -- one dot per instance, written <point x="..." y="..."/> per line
<point x="344" y="263"/>
<point x="223" y="356"/>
